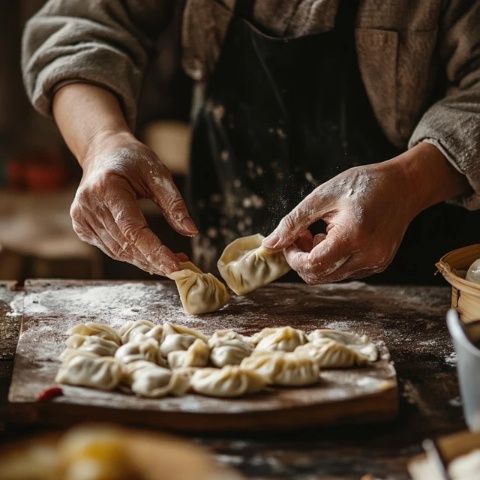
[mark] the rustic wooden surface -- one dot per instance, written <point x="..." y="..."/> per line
<point x="342" y="396"/>
<point x="411" y="321"/>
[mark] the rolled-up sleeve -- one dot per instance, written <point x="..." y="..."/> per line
<point x="103" y="42"/>
<point x="453" y="122"/>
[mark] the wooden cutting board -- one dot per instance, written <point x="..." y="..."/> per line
<point x="50" y="308"/>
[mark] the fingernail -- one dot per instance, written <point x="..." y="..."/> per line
<point x="271" y="241"/>
<point x="189" y="226"/>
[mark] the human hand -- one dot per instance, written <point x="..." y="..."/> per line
<point x="117" y="171"/>
<point x="367" y="210"/>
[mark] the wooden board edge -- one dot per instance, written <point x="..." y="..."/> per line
<point x="378" y="407"/>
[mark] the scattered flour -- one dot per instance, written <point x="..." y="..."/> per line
<point x="451" y="359"/>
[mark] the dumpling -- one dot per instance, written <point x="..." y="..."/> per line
<point x="150" y="380"/>
<point x="195" y="356"/>
<point x="287" y="369"/>
<point x="228" y="348"/>
<point x="199" y="292"/>
<point x="229" y="381"/>
<point x="332" y="354"/>
<point x="140" y="328"/>
<point x="284" y="339"/>
<point x="96" y="329"/>
<point x="360" y="343"/>
<point x="89" y="370"/>
<point x="175" y="342"/>
<point x="473" y="273"/>
<point x="143" y="349"/>
<point x="97" y="345"/>
<point x="245" y="265"/>
<point x="174" y="328"/>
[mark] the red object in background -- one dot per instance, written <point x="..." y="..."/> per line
<point x="37" y="171"/>
<point x="49" y="393"/>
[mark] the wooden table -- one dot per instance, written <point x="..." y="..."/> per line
<point x="412" y="319"/>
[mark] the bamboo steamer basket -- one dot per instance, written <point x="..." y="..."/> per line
<point x="465" y="294"/>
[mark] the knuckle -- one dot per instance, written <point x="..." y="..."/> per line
<point x="288" y="222"/>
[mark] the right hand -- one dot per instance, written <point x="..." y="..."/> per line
<point x="117" y="171"/>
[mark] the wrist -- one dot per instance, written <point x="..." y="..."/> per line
<point x="105" y="140"/>
<point x="428" y="177"/>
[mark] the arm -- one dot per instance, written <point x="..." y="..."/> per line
<point x="452" y="123"/>
<point x="86" y="64"/>
<point x="117" y="170"/>
<point x="367" y="210"/>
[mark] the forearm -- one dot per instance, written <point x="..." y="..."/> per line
<point x="429" y="176"/>
<point x="86" y="113"/>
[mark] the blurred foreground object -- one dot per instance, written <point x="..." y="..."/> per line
<point x="99" y="452"/>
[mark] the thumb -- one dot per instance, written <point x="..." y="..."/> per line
<point x="166" y="195"/>
<point x="294" y="223"/>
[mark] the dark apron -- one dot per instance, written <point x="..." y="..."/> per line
<point x="280" y="117"/>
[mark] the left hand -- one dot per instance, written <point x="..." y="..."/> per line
<point x="367" y="210"/>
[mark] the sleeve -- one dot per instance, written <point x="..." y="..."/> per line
<point x="452" y="124"/>
<point x="103" y="42"/>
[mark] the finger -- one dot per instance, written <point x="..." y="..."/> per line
<point x="305" y="241"/>
<point x="132" y="224"/>
<point x="325" y="258"/>
<point x="308" y="211"/>
<point x="88" y="234"/>
<point x="126" y="251"/>
<point x="168" y="198"/>
<point x="182" y="257"/>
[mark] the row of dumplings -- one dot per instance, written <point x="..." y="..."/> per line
<point x="157" y="360"/>
<point x="244" y="265"/>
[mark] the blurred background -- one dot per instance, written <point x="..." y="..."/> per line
<point x="38" y="175"/>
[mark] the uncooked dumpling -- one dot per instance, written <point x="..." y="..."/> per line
<point x="140" y="328"/>
<point x="150" y="380"/>
<point x="97" y="345"/>
<point x="199" y="292"/>
<point x="195" y="356"/>
<point x="229" y="381"/>
<point x="228" y="348"/>
<point x="360" y="343"/>
<point x="245" y="265"/>
<point x="142" y="349"/>
<point x="89" y="370"/>
<point x="473" y="273"/>
<point x="97" y="329"/>
<point x="332" y="354"/>
<point x="285" y="339"/>
<point x="174" y="328"/>
<point x="176" y="342"/>
<point x="287" y="369"/>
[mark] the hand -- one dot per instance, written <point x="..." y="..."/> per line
<point x="117" y="171"/>
<point x="366" y="213"/>
<point x="367" y="210"/>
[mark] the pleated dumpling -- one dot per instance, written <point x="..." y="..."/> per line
<point x="175" y="328"/>
<point x="89" y="370"/>
<point x="140" y="349"/>
<point x="199" y="292"/>
<point x="196" y="355"/>
<point x="332" y="354"/>
<point x="176" y="342"/>
<point x="150" y="380"/>
<point x="245" y="265"/>
<point x="93" y="344"/>
<point x="97" y="329"/>
<point x="229" y="381"/>
<point x="284" y="339"/>
<point x="228" y="348"/>
<point x="140" y="328"/>
<point x="286" y="369"/>
<point x="360" y="343"/>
